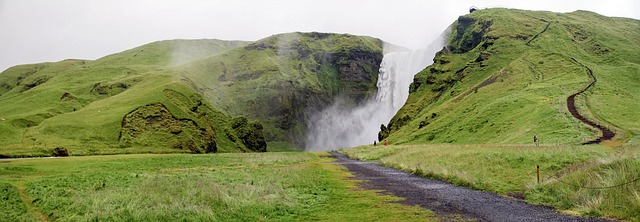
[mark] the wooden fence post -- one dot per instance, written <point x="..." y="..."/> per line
<point x="538" y="172"/>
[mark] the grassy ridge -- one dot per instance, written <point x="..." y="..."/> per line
<point x="229" y="187"/>
<point x="80" y="104"/>
<point x="511" y="170"/>
<point x="182" y="95"/>
<point x="495" y="83"/>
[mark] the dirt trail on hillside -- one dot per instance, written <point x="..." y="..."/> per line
<point x="447" y="199"/>
<point x="606" y="133"/>
<point x="571" y="100"/>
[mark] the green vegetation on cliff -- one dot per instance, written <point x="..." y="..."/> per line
<point x="505" y="75"/>
<point x="281" y="79"/>
<point x="182" y="95"/>
<point x="122" y="103"/>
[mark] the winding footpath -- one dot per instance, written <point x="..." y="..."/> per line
<point x="446" y="199"/>
<point x="571" y="100"/>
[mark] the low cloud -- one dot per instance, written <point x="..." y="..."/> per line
<point x="38" y="31"/>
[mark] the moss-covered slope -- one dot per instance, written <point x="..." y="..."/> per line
<point x="182" y="95"/>
<point x="281" y="79"/>
<point x="505" y="75"/>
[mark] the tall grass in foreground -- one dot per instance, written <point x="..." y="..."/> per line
<point x="501" y="169"/>
<point x="11" y="204"/>
<point x="511" y="170"/>
<point x="217" y="187"/>
<point x="607" y="188"/>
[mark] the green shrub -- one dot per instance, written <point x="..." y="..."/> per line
<point x="251" y="134"/>
<point x="59" y="151"/>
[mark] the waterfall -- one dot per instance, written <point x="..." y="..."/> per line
<point x="338" y="127"/>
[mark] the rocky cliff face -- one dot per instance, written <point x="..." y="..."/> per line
<point x="360" y="72"/>
<point x="279" y="81"/>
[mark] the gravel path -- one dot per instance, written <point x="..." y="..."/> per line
<point x="448" y="199"/>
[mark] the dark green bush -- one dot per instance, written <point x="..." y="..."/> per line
<point x="251" y="134"/>
<point x="59" y="151"/>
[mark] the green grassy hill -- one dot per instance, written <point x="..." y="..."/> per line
<point x="505" y="75"/>
<point x="181" y="95"/>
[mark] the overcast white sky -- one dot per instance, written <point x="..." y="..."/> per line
<point x="33" y="31"/>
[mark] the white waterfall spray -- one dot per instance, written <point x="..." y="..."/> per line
<point x="337" y="127"/>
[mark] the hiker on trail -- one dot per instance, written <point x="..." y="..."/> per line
<point x="535" y="139"/>
<point x="385" y="142"/>
<point x="374" y="143"/>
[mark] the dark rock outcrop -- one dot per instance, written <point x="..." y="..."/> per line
<point x="469" y="33"/>
<point x="251" y="134"/>
<point x="36" y="82"/>
<point x="154" y="124"/>
<point x="59" y="151"/>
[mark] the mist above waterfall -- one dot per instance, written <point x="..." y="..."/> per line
<point x="340" y="125"/>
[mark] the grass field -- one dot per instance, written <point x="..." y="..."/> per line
<point x="170" y="187"/>
<point x="510" y="170"/>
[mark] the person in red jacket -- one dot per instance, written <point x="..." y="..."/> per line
<point x="385" y="142"/>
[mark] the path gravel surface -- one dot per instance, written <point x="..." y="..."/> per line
<point x="447" y="199"/>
